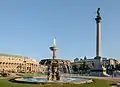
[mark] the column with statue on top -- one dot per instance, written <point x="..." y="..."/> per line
<point x="98" y="69"/>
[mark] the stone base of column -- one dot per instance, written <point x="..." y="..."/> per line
<point x="97" y="73"/>
<point x="97" y="57"/>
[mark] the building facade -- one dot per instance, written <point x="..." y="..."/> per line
<point x="109" y="61"/>
<point x="17" y="63"/>
<point x="92" y="63"/>
<point x="95" y="63"/>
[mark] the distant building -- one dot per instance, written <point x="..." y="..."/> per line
<point x="109" y="61"/>
<point x="118" y="61"/>
<point x="17" y="63"/>
<point x="93" y="63"/>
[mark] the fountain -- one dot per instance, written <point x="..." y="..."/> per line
<point x="53" y="74"/>
<point x="56" y="66"/>
<point x="53" y="71"/>
<point x="64" y="66"/>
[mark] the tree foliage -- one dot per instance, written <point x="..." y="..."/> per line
<point x="75" y="68"/>
<point x="117" y="67"/>
<point x="83" y="67"/>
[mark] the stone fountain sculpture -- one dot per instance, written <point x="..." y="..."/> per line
<point x="53" y="70"/>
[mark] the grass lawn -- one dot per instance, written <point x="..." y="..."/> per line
<point x="30" y="74"/>
<point x="98" y="83"/>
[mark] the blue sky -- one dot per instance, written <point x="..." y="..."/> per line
<point x="28" y="27"/>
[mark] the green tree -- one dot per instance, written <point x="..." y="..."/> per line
<point x="84" y="68"/>
<point x="110" y="69"/>
<point x="117" y="67"/>
<point x="75" y="68"/>
<point x="85" y="58"/>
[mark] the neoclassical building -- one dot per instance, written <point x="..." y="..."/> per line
<point x="94" y="63"/>
<point x="17" y="63"/>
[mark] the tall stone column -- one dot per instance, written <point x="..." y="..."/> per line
<point x="98" y="34"/>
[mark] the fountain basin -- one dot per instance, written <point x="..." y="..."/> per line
<point x="41" y="80"/>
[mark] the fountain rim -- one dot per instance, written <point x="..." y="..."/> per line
<point x="18" y="80"/>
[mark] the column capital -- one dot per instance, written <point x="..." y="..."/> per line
<point x="98" y="19"/>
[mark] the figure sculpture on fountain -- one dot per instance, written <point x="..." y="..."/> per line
<point x="53" y="71"/>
